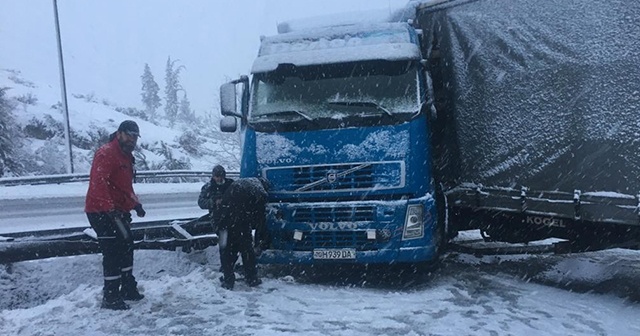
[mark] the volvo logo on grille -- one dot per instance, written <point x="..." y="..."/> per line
<point x="332" y="177"/>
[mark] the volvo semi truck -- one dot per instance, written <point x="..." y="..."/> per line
<point x="383" y="139"/>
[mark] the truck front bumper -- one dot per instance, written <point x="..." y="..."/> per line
<point x="384" y="256"/>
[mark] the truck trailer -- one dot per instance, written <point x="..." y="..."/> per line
<point x="537" y="130"/>
<point x="381" y="140"/>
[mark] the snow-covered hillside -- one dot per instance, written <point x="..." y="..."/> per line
<point x="40" y="145"/>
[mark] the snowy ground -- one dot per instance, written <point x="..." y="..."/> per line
<point x="585" y="294"/>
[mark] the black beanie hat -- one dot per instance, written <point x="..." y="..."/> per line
<point x="218" y="170"/>
<point x="130" y="127"/>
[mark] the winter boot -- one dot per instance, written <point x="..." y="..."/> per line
<point x="131" y="294"/>
<point x="129" y="290"/>
<point x="114" y="303"/>
<point x="254" y="282"/>
<point x="111" y="298"/>
<point x="227" y="283"/>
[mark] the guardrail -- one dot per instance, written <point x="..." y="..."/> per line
<point x="141" y="176"/>
<point x="189" y="234"/>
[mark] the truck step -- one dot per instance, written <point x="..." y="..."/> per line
<point x="501" y="249"/>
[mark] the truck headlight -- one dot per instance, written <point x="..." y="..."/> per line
<point x="414" y="222"/>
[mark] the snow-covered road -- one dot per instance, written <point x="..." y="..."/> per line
<point x="467" y="296"/>
<point x="48" y="207"/>
<point x="593" y="293"/>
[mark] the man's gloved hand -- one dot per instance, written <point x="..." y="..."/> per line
<point x="139" y="210"/>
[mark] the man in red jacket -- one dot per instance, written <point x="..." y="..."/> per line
<point x="108" y="205"/>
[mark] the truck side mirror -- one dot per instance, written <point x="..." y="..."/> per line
<point x="228" y="100"/>
<point x="228" y="124"/>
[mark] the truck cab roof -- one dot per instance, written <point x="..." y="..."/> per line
<point x="346" y="43"/>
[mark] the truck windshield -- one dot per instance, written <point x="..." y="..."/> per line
<point x="334" y="91"/>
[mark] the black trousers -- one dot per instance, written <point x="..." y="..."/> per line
<point x="238" y="242"/>
<point x="116" y="243"/>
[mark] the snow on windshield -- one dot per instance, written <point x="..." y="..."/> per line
<point x="322" y="97"/>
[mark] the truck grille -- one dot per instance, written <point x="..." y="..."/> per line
<point x="334" y="214"/>
<point x="338" y="177"/>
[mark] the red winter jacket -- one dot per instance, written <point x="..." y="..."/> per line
<point x="111" y="180"/>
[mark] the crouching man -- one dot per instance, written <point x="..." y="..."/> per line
<point x="242" y="209"/>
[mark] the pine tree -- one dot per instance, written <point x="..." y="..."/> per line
<point x="8" y="136"/>
<point x="186" y="114"/>
<point x="150" y="90"/>
<point x="172" y="86"/>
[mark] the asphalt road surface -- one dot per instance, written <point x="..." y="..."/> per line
<point x="34" y="214"/>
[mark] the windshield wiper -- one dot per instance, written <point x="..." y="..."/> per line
<point x="357" y="103"/>
<point x="287" y="112"/>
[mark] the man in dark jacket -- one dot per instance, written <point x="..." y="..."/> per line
<point x="108" y="205"/>
<point x="242" y="209"/>
<point x="211" y="194"/>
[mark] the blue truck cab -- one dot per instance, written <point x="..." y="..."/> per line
<point x="337" y="120"/>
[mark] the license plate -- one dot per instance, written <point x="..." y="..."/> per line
<point x="334" y="254"/>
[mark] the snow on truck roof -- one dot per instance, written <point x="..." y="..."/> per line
<point x="346" y="43"/>
<point x="392" y="14"/>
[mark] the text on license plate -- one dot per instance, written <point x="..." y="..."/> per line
<point x="334" y="254"/>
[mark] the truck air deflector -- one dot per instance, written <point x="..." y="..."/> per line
<point x="387" y="41"/>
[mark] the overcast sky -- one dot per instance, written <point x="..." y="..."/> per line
<point x="107" y="42"/>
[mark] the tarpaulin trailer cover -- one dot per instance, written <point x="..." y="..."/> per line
<point x="543" y="94"/>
